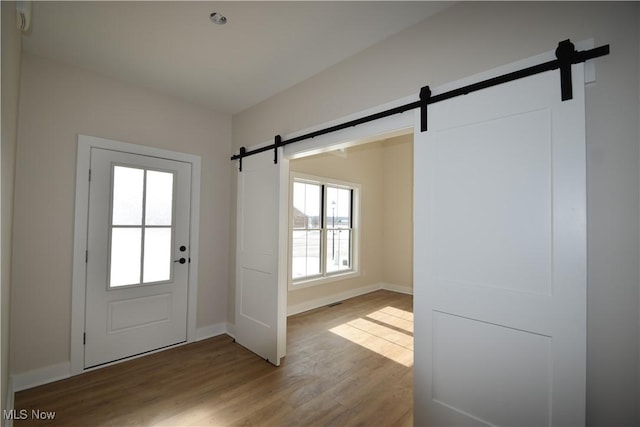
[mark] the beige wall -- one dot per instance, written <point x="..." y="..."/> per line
<point x="11" y="61"/>
<point x="383" y="169"/>
<point x="57" y="103"/>
<point x="472" y="37"/>
<point x="397" y="221"/>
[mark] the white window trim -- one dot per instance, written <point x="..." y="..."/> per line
<point x="355" y="256"/>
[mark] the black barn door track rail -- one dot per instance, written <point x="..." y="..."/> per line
<point x="566" y="55"/>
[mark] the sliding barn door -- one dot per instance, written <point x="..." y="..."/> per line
<point x="500" y="257"/>
<point x="260" y="284"/>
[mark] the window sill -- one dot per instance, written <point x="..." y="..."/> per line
<point x="302" y="284"/>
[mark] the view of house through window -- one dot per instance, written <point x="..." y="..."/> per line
<point x="323" y="227"/>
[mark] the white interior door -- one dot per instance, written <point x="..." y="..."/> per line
<point x="500" y="257"/>
<point x="138" y="255"/>
<point x="261" y="257"/>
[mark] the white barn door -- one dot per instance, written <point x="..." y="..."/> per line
<point x="500" y="257"/>
<point x="260" y="262"/>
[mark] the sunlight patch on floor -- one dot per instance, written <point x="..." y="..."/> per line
<point x="388" y="332"/>
<point x="394" y="317"/>
<point x="196" y="416"/>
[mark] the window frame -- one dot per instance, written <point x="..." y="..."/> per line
<point x="324" y="276"/>
<point x="143" y="226"/>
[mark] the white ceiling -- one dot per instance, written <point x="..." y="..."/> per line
<point x="173" y="47"/>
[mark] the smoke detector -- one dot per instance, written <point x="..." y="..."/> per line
<point x="218" y="18"/>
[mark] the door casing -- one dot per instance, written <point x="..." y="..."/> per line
<point x="78" y="291"/>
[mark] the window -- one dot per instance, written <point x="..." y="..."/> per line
<point x="141" y="226"/>
<point x="323" y="229"/>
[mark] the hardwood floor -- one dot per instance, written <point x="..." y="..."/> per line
<point x="350" y="364"/>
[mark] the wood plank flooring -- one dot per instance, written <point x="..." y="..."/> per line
<point x="350" y="364"/>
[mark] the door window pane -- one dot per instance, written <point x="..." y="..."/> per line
<point x="125" y="256"/>
<point x="306" y="253"/>
<point x="141" y="226"/>
<point x="157" y="255"/>
<point x="127" y="195"/>
<point x="159" y="198"/>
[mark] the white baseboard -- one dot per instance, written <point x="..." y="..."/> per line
<point x="321" y="302"/>
<point x="398" y="288"/>
<point x="211" y="331"/>
<point x="49" y="374"/>
<point x="40" y="376"/>
<point x="231" y="330"/>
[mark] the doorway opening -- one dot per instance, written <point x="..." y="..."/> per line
<point x="381" y="247"/>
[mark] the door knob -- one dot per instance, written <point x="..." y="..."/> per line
<point x="181" y="260"/>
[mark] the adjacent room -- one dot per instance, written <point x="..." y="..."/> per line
<point x="268" y="213"/>
<point x="373" y="226"/>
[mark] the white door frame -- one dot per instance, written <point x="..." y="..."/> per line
<point x="78" y="286"/>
